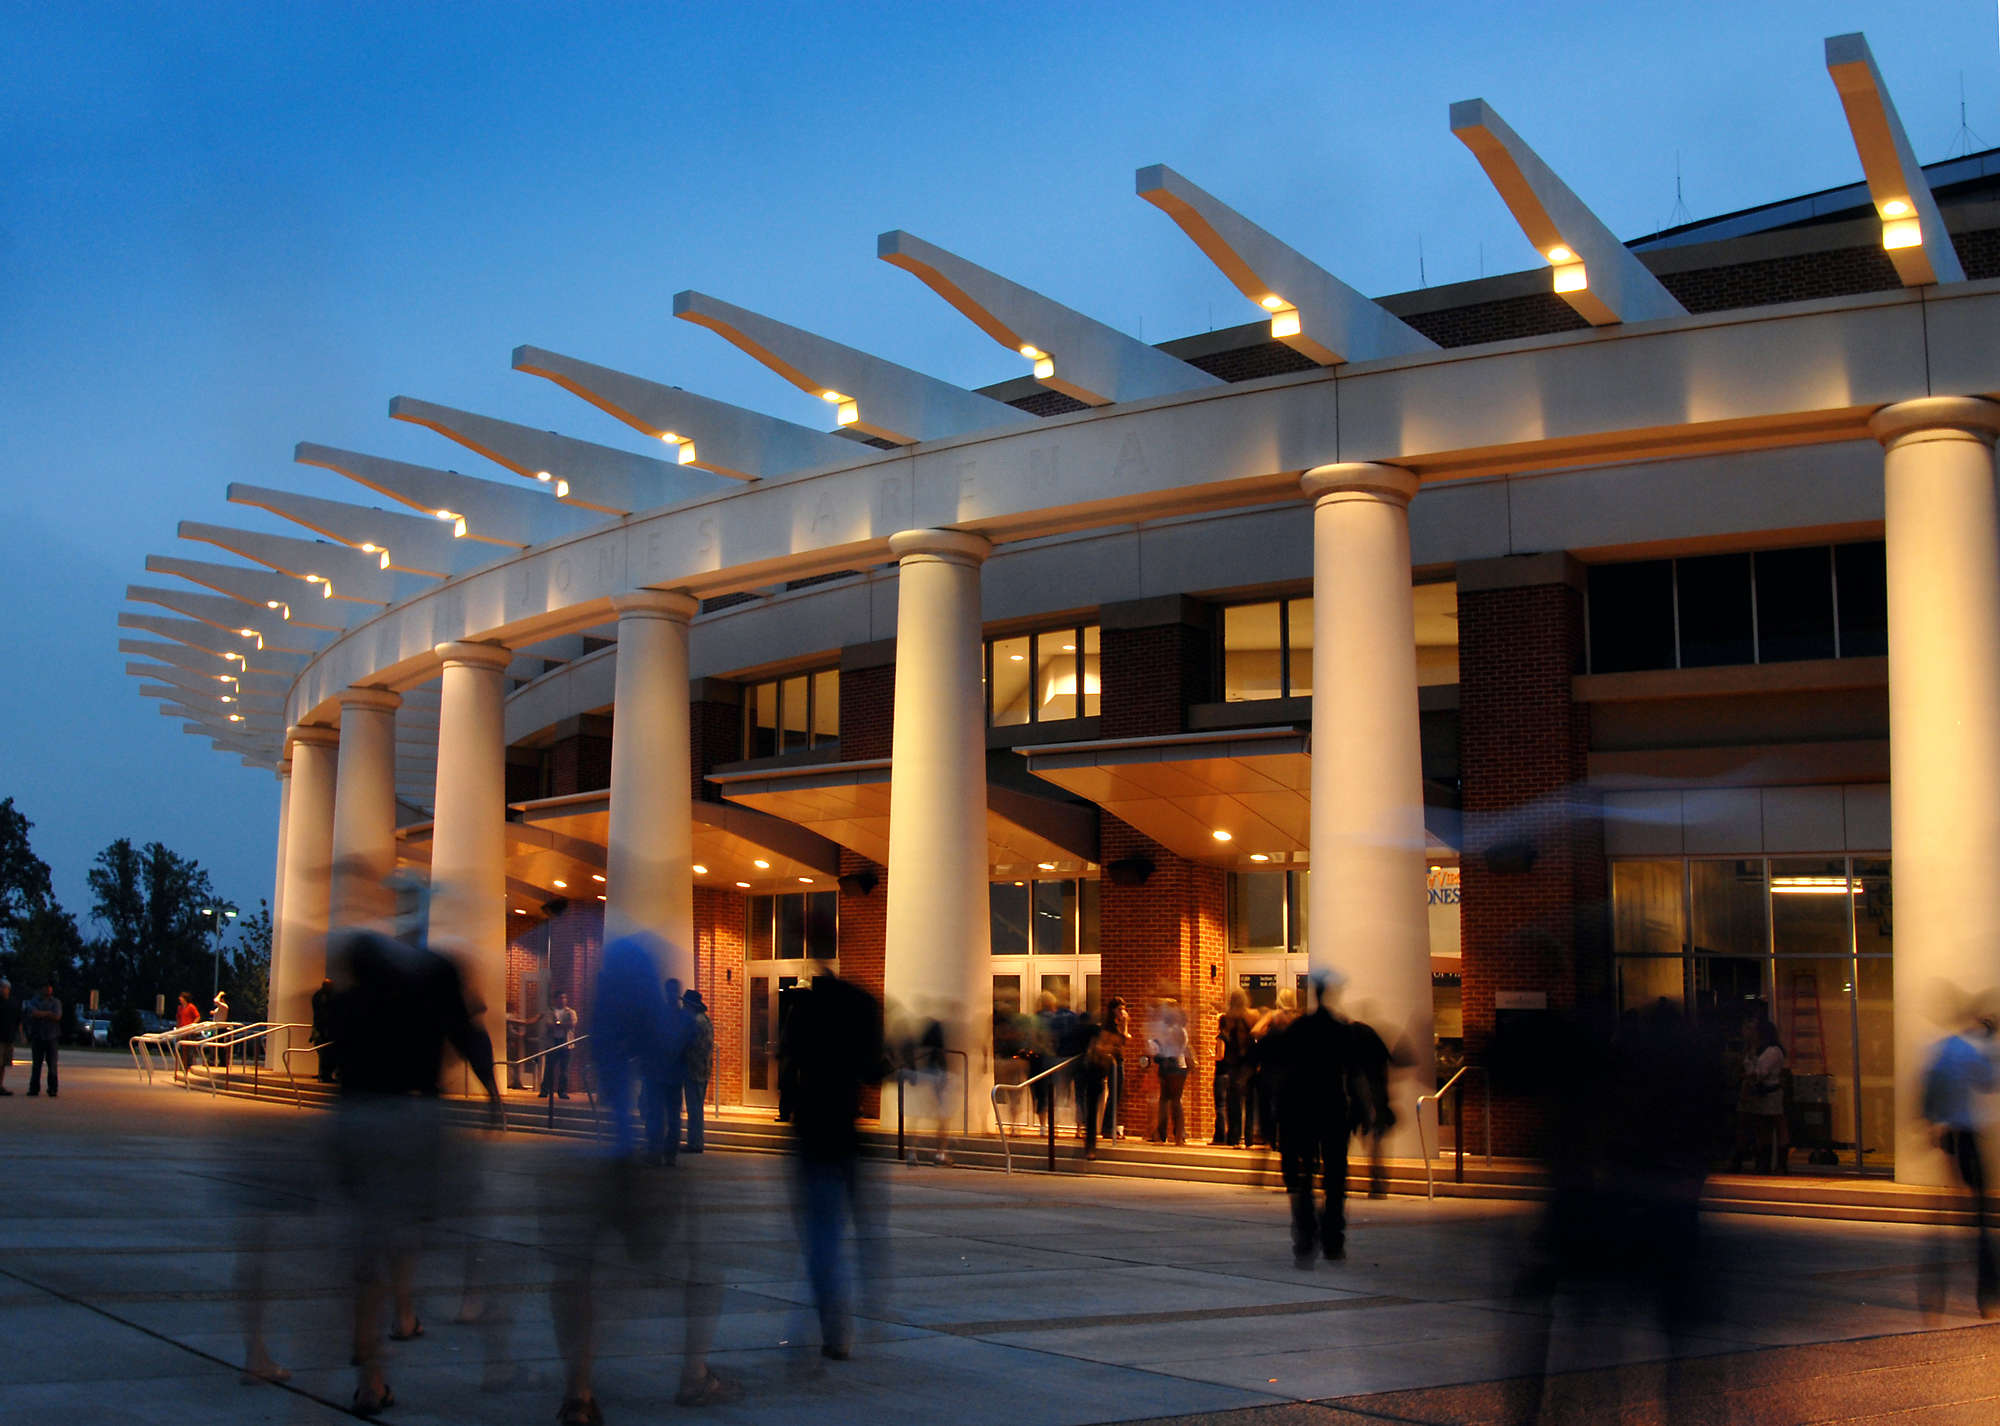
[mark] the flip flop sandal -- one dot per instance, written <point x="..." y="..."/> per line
<point x="365" y="1408"/>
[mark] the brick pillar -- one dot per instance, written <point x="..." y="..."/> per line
<point x="1532" y="915"/>
<point x="719" y="919"/>
<point x="715" y="731"/>
<point x="1156" y="656"/>
<point x="579" y="760"/>
<point x="867" y="722"/>
<point x="1167" y="933"/>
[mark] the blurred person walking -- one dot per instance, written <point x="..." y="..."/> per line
<point x="562" y="1031"/>
<point x="1234" y="1039"/>
<point x="1314" y="1061"/>
<point x="319" y="1035"/>
<point x="1760" y="1104"/>
<point x="1115" y="1033"/>
<point x="625" y="1199"/>
<point x="1956" y="1082"/>
<point x="698" y="1064"/>
<point x="395" y="1007"/>
<point x="44" y="1016"/>
<point x="832" y="1049"/>
<point x="1167" y="1044"/>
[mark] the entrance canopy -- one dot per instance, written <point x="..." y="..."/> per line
<point x="1239" y="799"/>
<point x="849" y="803"/>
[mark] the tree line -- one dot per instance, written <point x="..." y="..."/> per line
<point x="162" y="929"/>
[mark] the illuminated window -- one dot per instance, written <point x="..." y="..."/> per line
<point x="791" y="714"/>
<point x="1266" y="650"/>
<point x="796" y="926"/>
<point x="1046" y="677"/>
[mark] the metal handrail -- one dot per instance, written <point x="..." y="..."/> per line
<point x="1006" y="1149"/>
<point x="230" y="1038"/>
<point x="1436" y="1102"/>
<point x="140" y="1046"/>
<point x="589" y="1091"/>
<point x="286" y="1057"/>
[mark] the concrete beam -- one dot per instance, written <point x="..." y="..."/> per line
<point x="869" y="396"/>
<point x="600" y="478"/>
<point x="495" y="514"/>
<point x="1592" y="271"/>
<point x="710" y="435"/>
<point x="1312" y="311"/>
<point x="1913" y="232"/>
<point x="223" y="643"/>
<point x="1077" y="355"/>
<point x="230" y="615"/>
<point x="416" y="546"/>
<point x="262" y="588"/>
<point x="351" y="574"/>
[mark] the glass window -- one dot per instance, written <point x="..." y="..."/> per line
<point x="1012" y="673"/>
<point x="1728" y="908"/>
<point x="759" y="939"/>
<point x="1007" y="909"/>
<point x="791" y="933"/>
<point x="1056" y="984"/>
<point x="1253" y="652"/>
<point x="1876" y="1043"/>
<point x="1054" y="918"/>
<point x="826" y="706"/>
<point x="1299" y="904"/>
<point x="1645" y="980"/>
<point x="1055" y="675"/>
<point x="1795" y="604"/>
<point x="1257" y="911"/>
<point x="822" y="912"/>
<point x="1632" y="616"/>
<point x="1090" y="670"/>
<point x="1086" y="919"/>
<point x="1715" y="610"/>
<point x="1298" y="647"/>
<point x="1647" y="911"/>
<point x="1874" y="923"/>
<point x="762" y="741"/>
<point x="793" y="712"/>
<point x="1862" y="579"/>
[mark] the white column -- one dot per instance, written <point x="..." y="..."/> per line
<point x="299" y="960"/>
<point x="364" y="807"/>
<point x="1943" y="534"/>
<point x="649" y="881"/>
<point x="468" y="837"/>
<point x="272" y="1049"/>
<point x="1366" y="912"/>
<point x="937" y="958"/>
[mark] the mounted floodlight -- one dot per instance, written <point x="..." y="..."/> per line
<point x="1099" y="365"/>
<point x="1591" y="270"/>
<point x="1311" y="311"/>
<point x="1913" y="231"/>
<point x="496" y="513"/>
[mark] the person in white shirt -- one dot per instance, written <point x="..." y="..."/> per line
<point x="1167" y="1041"/>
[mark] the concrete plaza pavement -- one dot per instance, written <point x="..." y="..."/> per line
<point x="138" y="1221"/>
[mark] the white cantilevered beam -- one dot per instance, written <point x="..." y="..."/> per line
<point x="223" y="643"/>
<point x="870" y="396"/>
<point x="1079" y="356"/>
<point x="493" y="513"/>
<point x="348" y="573"/>
<point x="595" y="477"/>
<point x="406" y="542"/>
<point x="1913" y="232"/>
<point x="1593" y="272"/>
<point x="234" y="616"/>
<point x="226" y="700"/>
<point x="1312" y="311"/>
<point x="293" y="598"/>
<point x="270" y="685"/>
<point x="203" y="660"/>
<point x="711" y="435"/>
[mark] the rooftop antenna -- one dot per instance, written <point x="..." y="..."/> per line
<point x="1965" y="141"/>
<point x="1680" y="213"/>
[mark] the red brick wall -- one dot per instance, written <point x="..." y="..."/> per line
<point x="1167" y="935"/>
<point x="581" y="763"/>
<point x="864" y="937"/>
<point x="719" y="919"/>
<point x="867" y="712"/>
<point x="715" y="737"/>
<point x="1149" y="677"/>
<point x="1523" y="749"/>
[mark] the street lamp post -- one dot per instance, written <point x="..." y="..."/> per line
<point x="216" y="916"/>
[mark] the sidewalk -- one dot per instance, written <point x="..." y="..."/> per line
<point x="1022" y="1301"/>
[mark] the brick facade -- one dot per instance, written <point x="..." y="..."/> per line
<point x="579" y="763"/>
<point x="1523" y="746"/>
<point x="720" y="916"/>
<point x="1150" y="672"/>
<point x="867" y="711"/>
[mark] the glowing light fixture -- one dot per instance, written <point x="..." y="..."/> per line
<point x="1560" y="254"/>
<point x="670" y="437"/>
<point x="1222" y="836"/>
<point x="1896" y="208"/>
<point x="600" y="896"/>
<point x="519" y="912"/>
<point x="562" y="489"/>
<point x="807" y="880"/>
<point x="325" y="589"/>
<point x="313" y="579"/>
<point x="684" y="453"/>
<point x="227" y="699"/>
<point x="457" y="533"/>
<point x="1902" y="233"/>
<point x="1272" y="302"/>
<point x="1259" y="857"/>
<point x="445" y="515"/>
<point x="272" y="603"/>
<point x="1069" y="648"/>
<point x="1031" y="351"/>
<point x="369" y="549"/>
<point x="744" y="884"/>
<point x="1811" y="886"/>
<point x="1046" y="866"/>
<point x="846" y="414"/>
<point x="1285" y="323"/>
<point x="700" y="870"/>
<point x="1045" y="367"/>
<point x="543" y="476"/>
<point x="832" y="396"/>
<point x="597" y="876"/>
<point x="1017" y="658"/>
<point x="248" y="633"/>
<point x="225" y="678"/>
<point x="560" y="885"/>
<point x="384" y="561"/>
<point x="761" y="864"/>
<point x="236" y="717"/>
<point x="1570" y="277"/>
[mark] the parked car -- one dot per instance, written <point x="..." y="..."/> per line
<point x="94" y="1029"/>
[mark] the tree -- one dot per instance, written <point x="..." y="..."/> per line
<point x="39" y="944"/>
<point x="246" y="969"/>
<point x="158" y="910"/>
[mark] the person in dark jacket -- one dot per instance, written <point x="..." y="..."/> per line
<point x="832" y="1049"/>
<point x="321" y="999"/>
<point x="1314" y="1062"/>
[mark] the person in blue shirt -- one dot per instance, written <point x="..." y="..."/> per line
<point x="44" y="1016"/>
<point x="1959" y="1077"/>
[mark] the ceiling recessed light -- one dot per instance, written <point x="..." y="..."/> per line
<point x="700" y="870"/>
<point x="600" y="896"/>
<point x="597" y="876"/>
<point x="1046" y="866"/>
<point x="760" y="864"/>
<point x="1259" y="857"/>
<point x="807" y="880"/>
<point x="744" y="884"/>
<point x="560" y="885"/>
<point x="1222" y="836"/>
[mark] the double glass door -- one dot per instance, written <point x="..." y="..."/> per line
<point x="770" y="989"/>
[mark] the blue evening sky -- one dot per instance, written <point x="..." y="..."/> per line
<point x="228" y="228"/>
